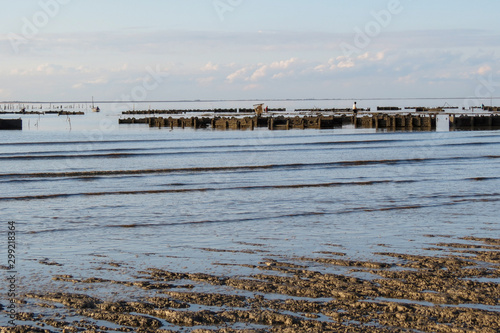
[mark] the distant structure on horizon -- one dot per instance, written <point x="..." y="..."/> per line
<point x="95" y="108"/>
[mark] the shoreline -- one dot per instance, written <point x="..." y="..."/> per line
<point x="454" y="289"/>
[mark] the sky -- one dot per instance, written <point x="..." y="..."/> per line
<point x="131" y="50"/>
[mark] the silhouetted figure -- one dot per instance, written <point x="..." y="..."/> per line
<point x="355" y="108"/>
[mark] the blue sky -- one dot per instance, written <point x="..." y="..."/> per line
<point x="232" y="49"/>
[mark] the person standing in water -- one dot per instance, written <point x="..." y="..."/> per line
<point x="355" y="108"/>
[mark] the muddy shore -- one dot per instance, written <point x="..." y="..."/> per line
<point x="455" y="289"/>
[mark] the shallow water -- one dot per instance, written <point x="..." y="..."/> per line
<point x="180" y="199"/>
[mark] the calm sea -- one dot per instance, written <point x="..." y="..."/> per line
<point x="84" y="190"/>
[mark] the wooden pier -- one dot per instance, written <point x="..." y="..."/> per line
<point x="11" y="124"/>
<point x="476" y="122"/>
<point x="395" y="121"/>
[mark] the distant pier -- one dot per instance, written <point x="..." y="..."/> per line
<point x="11" y="124"/>
<point x="376" y="120"/>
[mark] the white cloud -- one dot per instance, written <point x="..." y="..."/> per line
<point x="484" y="70"/>
<point x="210" y="67"/>
<point x="341" y="62"/>
<point x="284" y="64"/>
<point x="372" y="56"/>
<point x="259" y="73"/>
<point x="236" y="75"/>
<point x="83" y="64"/>
<point x="364" y="56"/>
<point x="345" y="64"/>
<point x="320" y="68"/>
<point x="380" y="56"/>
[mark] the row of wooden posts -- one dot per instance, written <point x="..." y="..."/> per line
<point x="376" y="120"/>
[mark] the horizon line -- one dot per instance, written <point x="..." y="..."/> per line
<point x="249" y="100"/>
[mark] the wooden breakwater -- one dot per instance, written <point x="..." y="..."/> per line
<point x="60" y="113"/>
<point x="289" y="122"/>
<point x="375" y="120"/>
<point x="475" y="122"/>
<point x="11" y="124"/>
<point x="186" y="111"/>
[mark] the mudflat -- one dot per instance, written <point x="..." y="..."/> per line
<point x="453" y="289"/>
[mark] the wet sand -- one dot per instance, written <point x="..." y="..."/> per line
<point x="453" y="289"/>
